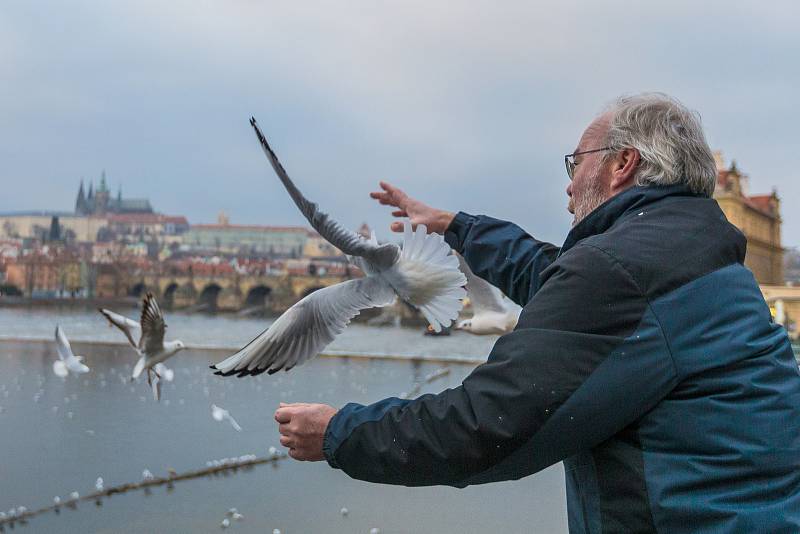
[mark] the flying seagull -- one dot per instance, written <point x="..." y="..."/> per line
<point x="67" y="361"/>
<point x="422" y="273"/>
<point x="493" y="312"/>
<point x="220" y="414"/>
<point x="152" y="348"/>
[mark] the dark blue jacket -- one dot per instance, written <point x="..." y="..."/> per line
<point x="645" y="358"/>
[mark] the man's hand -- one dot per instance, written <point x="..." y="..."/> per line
<point x="302" y="427"/>
<point x="434" y="219"/>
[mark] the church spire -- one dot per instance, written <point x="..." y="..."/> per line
<point x="103" y="186"/>
<point x="80" y="202"/>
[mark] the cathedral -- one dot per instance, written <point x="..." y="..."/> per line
<point x="100" y="202"/>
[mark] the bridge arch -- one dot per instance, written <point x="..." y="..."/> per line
<point x="168" y="297"/>
<point x="137" y="290"/>
<point x="208" y="297"/>
<point x="257" y="296"/>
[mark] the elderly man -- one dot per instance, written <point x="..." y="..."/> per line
<point x="645" y="357"/>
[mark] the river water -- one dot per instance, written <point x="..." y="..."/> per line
<point x="59" y="435"/>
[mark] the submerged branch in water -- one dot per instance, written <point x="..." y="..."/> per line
<point x="232" y="464"/>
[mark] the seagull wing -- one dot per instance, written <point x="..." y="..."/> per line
<point x="483" y="295"/>
<point x="349" y="242"/>
<point x="153" y="326"/>
<point x="63" y="346"/>
<point x="129" y="327"/>
<point x="307" y="327"/>
<point x="233" y="422"/>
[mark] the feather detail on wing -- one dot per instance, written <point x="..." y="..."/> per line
<point x="62" y="345"/>
<point x="153" y="326"/>
<point x="349" y="242"/>
<point x="307" y="327"/>
<point x="427" y="277"/>
<point x="129" y="327"/>
<point x="484" y="296"/>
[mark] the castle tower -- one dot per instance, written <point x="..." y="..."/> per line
<point x="102" y="196"/>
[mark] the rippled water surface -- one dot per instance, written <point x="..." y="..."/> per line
<point x="59" y="435"/>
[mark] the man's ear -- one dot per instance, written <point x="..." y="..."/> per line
<point x="623" y="169"/>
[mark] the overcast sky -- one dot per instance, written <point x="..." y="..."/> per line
<point x="467" y="105"/>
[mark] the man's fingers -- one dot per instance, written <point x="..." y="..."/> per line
<point x="297" y="455"/>
<point x="397" y="226"/>
<point x="400" y="213"/>
<point x="286" y="441"/>
<point x="389" y="188"/>
<point x="283" y="415"/>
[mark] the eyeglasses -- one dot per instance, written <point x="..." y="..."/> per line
<point x="569" y="159"/>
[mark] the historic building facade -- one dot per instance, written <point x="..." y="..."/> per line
<point x="758" y="217"/>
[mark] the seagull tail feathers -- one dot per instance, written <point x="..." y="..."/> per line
<point x="427" y="258"/>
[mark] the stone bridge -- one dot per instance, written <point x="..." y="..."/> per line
<point x="271" y="293"/>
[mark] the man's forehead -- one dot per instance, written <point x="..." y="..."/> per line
<point x="596" y="130"/>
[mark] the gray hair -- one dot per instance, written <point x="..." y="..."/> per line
<point x="669" y="138"/>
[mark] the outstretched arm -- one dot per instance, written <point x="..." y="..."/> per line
<point x="571" y="376"/>
<point x="500" y="252"/>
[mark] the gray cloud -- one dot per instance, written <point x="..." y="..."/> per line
<point x="470" y="106"/>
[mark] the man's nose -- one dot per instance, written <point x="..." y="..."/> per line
<point x="569" y="189"/>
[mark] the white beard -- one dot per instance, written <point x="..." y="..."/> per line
<point x="591" y="198"/>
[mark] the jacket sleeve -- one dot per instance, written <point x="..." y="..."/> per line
<point x="587" y="359"/>
<point x="501" y="253"/>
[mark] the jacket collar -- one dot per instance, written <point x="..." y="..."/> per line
<point x="616" y="207"/>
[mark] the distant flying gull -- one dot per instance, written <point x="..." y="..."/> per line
<point x="493" y="312"/>
<point x="422" y="273"/>
<point x="152" y="348"/>
<point x="220" y="414"/>
<point x="67" y="361"/>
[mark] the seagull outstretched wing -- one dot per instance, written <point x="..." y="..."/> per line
<point x="129" y="327"/>
<point x="484" y="296"/>
<point x="307" y="327"/>
<point x="349" y="242"/>
<point x="63" y="346"/>
<point x="153" y="327"/>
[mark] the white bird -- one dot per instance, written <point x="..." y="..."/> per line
<point x="220" y="414"/>
<point x="98" y="485"/>
<point x="422" y="273"/>
<point x="493" y="312"/>
<point x="147" y="476"/>
<point x="152" y="348"/>
<point x="67" y="361"/>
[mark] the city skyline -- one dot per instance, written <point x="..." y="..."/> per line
<point x="466" y="107"/>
